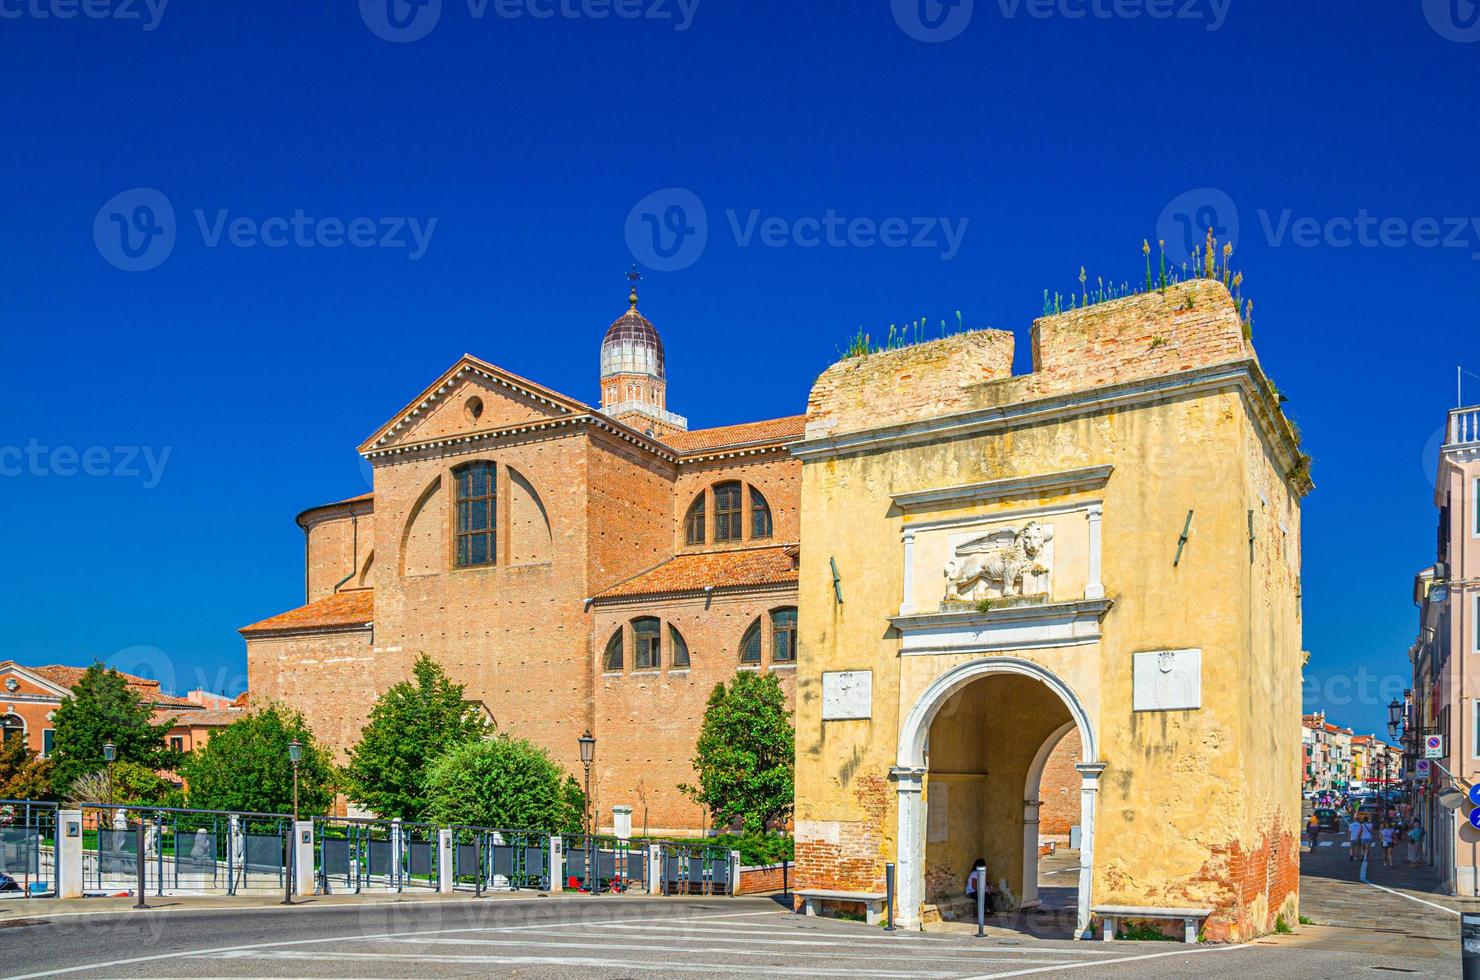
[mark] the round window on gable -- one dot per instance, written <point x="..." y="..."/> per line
<point x="473" y="408"/>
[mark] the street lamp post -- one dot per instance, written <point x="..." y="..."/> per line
<point x="110" y="752"/>
<point x="295" y="755"/>
<point x="588" y="753"/>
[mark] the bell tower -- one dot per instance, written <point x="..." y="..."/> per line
<point x="634" y="384"/>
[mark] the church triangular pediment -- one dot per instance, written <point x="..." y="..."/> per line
<point x="472" y="396"/>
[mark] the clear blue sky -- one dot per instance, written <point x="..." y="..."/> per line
<point x="1059" y="140"/>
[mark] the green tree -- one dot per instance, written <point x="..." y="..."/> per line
<point x="122" y="783"/>
<point x="32" y="781"/>
<point x="14" y="756"/>
<point x="506" y="783"/>
<point x="410" y="725"/>
<point x="746" y="754"/>
<point x="246" y="766"/>
<point x="102" y="709"/>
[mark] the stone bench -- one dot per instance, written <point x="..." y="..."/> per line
<point x="873" y="902"/>
<point x="1112" y="914"/>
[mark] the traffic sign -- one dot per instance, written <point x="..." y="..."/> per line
<point x="1433" y="747"/>
<point x="1475" y="818"/>
<point x="1475" y="794"/>
<point x="1421" y="769"/>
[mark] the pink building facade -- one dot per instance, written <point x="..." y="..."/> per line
<point x="1445" y="700"/>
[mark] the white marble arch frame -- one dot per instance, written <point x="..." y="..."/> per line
<point x="909" y="776"/>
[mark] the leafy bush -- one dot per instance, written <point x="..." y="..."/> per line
<point x="410" y="725"/>
<point x="745" y="756"/>
<point x="127" y="783"/>
<point x="245" y="766"/>
<point x="503" y="782"/>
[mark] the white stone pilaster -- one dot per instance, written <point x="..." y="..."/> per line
<point x="1089" y="774"/>
<point x="557" y="864"/>
<point x="907" y="602"/>
<point x="1030" y="853"/>
<point x="910" y="843"/>
<point x="1095" y="588"/>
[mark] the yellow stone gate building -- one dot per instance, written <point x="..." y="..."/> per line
<point x="1110" y="544"/>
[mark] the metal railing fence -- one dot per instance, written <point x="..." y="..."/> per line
<point x="28" y="831"/>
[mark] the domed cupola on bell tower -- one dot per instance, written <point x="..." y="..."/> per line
<point x="634" y="384"/>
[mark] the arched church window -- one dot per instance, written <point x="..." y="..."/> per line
<point x="750" y="644"/>
<point x="784" y="635"/>
<point x="727" y="512"/>
<point x="693" y="523"/>
<point x="678" y="659"/>
<point x="476" y="499"/>
<point x="12" y="726"/>
<point x="611" y="661"/>
<point x="647" y="647"/>
<point x="760" y="515"/>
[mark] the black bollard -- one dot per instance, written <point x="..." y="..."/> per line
<point x="981" y="908"/>
<point x="288" y="865"/>
<point x="139" y="863"/>
<point x="889" y="896"/>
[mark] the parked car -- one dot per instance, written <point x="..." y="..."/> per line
<point x="8" y="884"/>
<point x="1327" y="819"/>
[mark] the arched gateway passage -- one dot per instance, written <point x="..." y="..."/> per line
<point x="971" y="754"/>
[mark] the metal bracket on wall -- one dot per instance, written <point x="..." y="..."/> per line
<point x="1251" y="537"/>
<point x="837" y="580"/>
<point x="1182" y="541"/>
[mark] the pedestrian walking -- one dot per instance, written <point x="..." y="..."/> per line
<point x="1354" y="839"/>
<point x="1388" y="835"/>
<point x="1415" y="844"/>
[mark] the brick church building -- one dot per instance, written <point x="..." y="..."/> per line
<point x="577" y="568"/>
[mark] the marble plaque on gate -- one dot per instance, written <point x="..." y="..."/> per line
<point x="1167" y="680"/>
<point x="847" y="694"/>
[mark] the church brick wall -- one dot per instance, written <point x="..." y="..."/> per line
<point x="647" y="722"/>
<point x="1059" y="789"/>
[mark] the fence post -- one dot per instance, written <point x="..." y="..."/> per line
<point x="445" y="880"/>
<point x="398" y="855"/>
<point x="734" y="873"/>
<point x="303" y="866"/>
<point x="68" y="854"/>
<point x="557" y="864"/>
<point x="655" y="869"/>
<point x="141" y="863"/>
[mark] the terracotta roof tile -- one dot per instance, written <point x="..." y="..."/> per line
<point x="354" y="608"/>
<point x="788" y="429"/>
<point x="212" y="717"/>
<point x="242" y="700"/>
<point x="68" y="677"/>
<point x="719" y="569"/>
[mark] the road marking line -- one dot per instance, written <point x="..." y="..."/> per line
<point x="918" y="939"/>
<point x="1123" y="959"/>
<point x="1363" y="875"/>
<point x="336" y="939"/>
<point x="680" y="948"/>
<point x="599" y="962"/>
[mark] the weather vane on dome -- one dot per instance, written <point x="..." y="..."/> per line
<point x="633" y="277"/>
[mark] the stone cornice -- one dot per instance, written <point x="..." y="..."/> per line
<point x="647" y="598"/>
<point x="251" y="634"/>
<point x="1056" y="624"/>
<point x="1063" y="481"/>
<point x="1245" y="375"/>
<point x="448" y="444"/>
